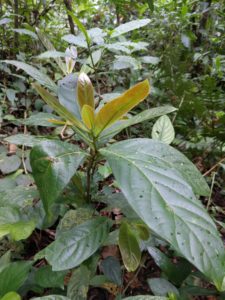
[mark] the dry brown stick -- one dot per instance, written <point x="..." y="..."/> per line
<point x="213" y="167"/>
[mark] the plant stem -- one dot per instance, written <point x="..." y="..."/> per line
<point x="90" y="173"/>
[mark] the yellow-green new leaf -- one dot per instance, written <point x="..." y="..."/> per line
<point x="88" y="116"/>
<point x="85" y="91"/>
<point x="129" y="248"/>
<point x="53" y="103"/>
<point x="117" y="108"/>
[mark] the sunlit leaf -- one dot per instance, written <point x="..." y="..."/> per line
<point x="11" y="296"/>
<point x="88" y="116"/>
<point x="53" y="164"/>
<point x="129" y="26"/>
<point x="85" y="91"/>
<point x="42" y="78"/>
<point x="163" y="130"/>
<point x="115" y="109"/>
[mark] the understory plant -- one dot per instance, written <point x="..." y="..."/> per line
<point x="156" y="187"/>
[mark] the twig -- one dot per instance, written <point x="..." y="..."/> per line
<point x="135" y="275"/>
<point x="211" y="190"/>
<point x="213" y="167"/>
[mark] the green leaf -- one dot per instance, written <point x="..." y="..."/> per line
<point x="150" y="4"/>
<point x="129" y="248"/>
<point x="48" y="45"/>
<point x="13" y="276"/>
<point x="80" y="26"/>
<point x="26" y="32"/>
<point x="5" y="260"/>
<point x="67" y="94"/>
<point x="79" y="283"/>
<point x="147" y="114"/>
<point x="20" y="230"/>
<point x="74" y="246"/>
<point x="163" y="130"/>
<point x="126" y="62"/>
<point x="25" y="139"/>
<point x="18" y="196"/>
<point x="53" y="164"/>
<point x="40" y="119"/>
<point x="153" y="60"/>
<point x="96" y="56"/>
<point x="118" y="107"/>
<point x="9" y="164"/>
<point x="46" y="278"/>
<point x="162" y="287"/>
<point x="88" y="116"/>
<point x="150" y="177"/>
<point x="51" y="54"/>
<point x="129" y="26"/>
<point x="127" y="47"/>
<point x="85" y="91"/>
<point x="42" y="78"/>
<point x="112" y="269"/>
<point x="78" y="40"/>
<point x="11" y="296"/>
<point x="62" y="111"/>
<point x="176" y="273"/>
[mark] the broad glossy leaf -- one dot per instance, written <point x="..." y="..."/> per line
<point x="53" y="164"/>
<point x="74" y="246"/>
<point x="4" y="21"/>
<point x="127" y="47"/>
<point x="20" y="230"/>
<point x="25" y="139"/>
<point x="129" y="248"/>
<point x="85" y="91"/>
<point x="176" y="273"/>
<point x="147" y="114"/>
<point x="88" y="116"/>
<point x="42" y="78"/>
<point x="11" y="296"/>
<point x="9" y="164"/>
<point x="13" y="276"/>
<point x="112" y="269"/>
<point x="163" y="130"/>
<point x="129" y="26"/>
<point x="150" y="178"/>
<point x="96" y="56"/>
<point x="62" y="111"/>
<point x="49" y="46"/>
<point x="51" y="54"/>
<point x="153" y="60"/>
<point x="126" y="62"/>
<point x="67" y="93"/>
<point x="5" y="260"/>
<point x="12" y="223"/>
<point x="162" y="287"/>
<point x="79" y="283"/>
<point x="47" y="278"/>
<point x="78" y="40"/>
<point x="40" y="119"/>
<point x="115" y="109"/>
<point x="80" y="26"/>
